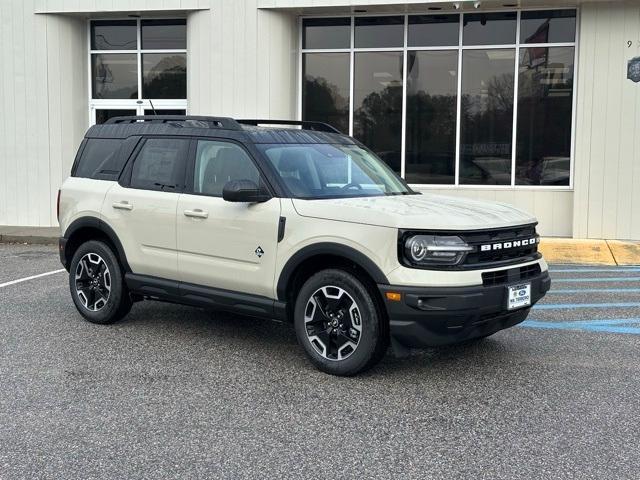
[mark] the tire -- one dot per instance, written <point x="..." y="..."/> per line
<point x="97" y="284"/>
<point x="339" y="323"/>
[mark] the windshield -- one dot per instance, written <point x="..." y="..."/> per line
<point x="332" y="171"/>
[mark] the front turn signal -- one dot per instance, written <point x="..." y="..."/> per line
<point x="393" y="296"/>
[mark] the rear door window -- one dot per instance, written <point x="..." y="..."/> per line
<point x="100" y="159"/>
<point x="160" y="164"/>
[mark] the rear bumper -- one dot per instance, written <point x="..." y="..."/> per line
<point x="433" y="316"/>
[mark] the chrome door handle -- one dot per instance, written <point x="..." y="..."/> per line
<point x="124" y="205"/>
<point x="197" y="213"/>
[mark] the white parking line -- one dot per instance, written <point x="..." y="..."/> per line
<point x="26" y="279"/>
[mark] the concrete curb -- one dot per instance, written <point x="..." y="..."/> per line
<point x="31" y="235"/>
<point x="28" y="239"/>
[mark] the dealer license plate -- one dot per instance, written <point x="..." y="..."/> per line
<point x="519" y="296"/>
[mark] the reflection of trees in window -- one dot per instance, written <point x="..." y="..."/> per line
<point x="487" y="128"/>
<point x="545" y="100"/>
<point x="167" y="78"/>
<point x="431" y="136"/>
<point x="378" y="124"/>
<point x="322" y="102"/>
<point x="488" y="118"/>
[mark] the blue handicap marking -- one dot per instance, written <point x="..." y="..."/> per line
<point x="622" y="325"/>
<point x="594" y="270"/>
<point x="596" y="280"/>
<point x="571" y="306"/>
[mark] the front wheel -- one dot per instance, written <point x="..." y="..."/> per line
<point x="97" y="284"/>
<point x="339" y="324"/>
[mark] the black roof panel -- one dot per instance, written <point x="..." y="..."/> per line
<point x="285" y="135"/>
<point x="248" y="133"/>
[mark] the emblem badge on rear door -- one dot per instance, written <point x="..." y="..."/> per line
<point x="259" y="252"/>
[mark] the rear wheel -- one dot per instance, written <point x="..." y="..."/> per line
<point x="97" y="284"/>
<point x="339" y="324"/>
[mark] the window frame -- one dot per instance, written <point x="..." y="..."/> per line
<point x="139" y="104"/>
<point x="460" y="48"/>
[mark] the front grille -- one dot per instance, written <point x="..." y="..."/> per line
<point x="512" y="275"/>
<point x="518" y="245"/>
<point x="479" y="258"/>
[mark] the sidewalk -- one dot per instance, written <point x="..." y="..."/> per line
<point x="591" y="252"/>
<point x="555" y="250"/>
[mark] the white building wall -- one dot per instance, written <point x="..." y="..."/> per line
<point x="607" y="167"/>
<point x="242" y="61"/>
<point x="43" y="90"/>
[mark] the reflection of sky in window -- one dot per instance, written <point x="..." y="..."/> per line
<point x="432" y="72"/>
<point x="375" y="71"/>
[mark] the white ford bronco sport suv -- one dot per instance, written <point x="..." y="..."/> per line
<point x="298" y="223"/>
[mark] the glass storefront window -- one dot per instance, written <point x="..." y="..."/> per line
<point x="114" y="35"/>
<point x="486" y="119"/>
<point x="490" y="28"/>
<point x="545" y="99"/>
<point x="104" y="114"/>
<point x="433" y="30"/>
<point x="114" y="75"/>
<point x="321" y="33"/>
<point x="379" y="32"/>
<point x="325" y="88"/>
<point x="377" y="110"/>
<point x="432" y="86"/>
<point x="164" y="34"/>
<point x="458" y="119"/>
<point x="548" y="26"/>
<point x="134" y="72"/>
<point x="164" y="75"/>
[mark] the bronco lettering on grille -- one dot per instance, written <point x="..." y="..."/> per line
<point x="507" y="245"/>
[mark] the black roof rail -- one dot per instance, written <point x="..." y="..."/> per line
<point x="181" y="120"/>
<point x="305" y="124"/>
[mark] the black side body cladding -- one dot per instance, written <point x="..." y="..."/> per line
<point x="327" y="248"/>
<point x="95" y="223"/>
<point x="205" y="297"/>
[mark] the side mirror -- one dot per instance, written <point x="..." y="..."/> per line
<point x="244" y="191"/>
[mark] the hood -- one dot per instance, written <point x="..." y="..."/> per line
<point x="422" y="212"/>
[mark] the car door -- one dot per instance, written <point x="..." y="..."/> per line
<point x="141" y="208"/>
<point x="225" y="245"/>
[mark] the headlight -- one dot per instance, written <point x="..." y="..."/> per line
<point x="435" y="250"/>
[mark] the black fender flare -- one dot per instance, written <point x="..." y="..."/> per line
<point x="97" y="224"/>
<point x="327" y="248"/>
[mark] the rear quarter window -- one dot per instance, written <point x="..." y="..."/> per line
<point x="100" y="160"/>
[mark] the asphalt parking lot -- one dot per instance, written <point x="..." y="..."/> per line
<point x="175" y="392"/>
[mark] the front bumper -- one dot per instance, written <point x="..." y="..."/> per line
<point x="434" y="316"/>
